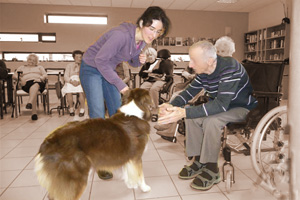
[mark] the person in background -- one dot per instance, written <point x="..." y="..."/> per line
<point x="230" y="99"/>
<point x="157" y="78"/>
<point x="3" y="70"/>
<point x="72" y="83"/>
<point x="123" y="72"/>
<point x="32" y="78"/>
<point x="125" y="42"/>
<point x="225" y="46"/>
<point x="151" y="61"/>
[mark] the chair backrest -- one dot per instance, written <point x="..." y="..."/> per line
<point x="265" y="77"/>
<point x="266" y="81"/>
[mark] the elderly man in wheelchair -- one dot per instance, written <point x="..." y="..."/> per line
<point x="230" y="99"/>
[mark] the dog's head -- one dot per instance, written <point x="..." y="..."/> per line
<point x="141" y="98"/>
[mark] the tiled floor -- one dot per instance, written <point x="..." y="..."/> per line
<point x="20" y="139"/>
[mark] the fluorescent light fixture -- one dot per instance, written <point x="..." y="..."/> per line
<point x="11" y="37"/>
<point x="75" y="19"/>
<point x="227" y="1"/>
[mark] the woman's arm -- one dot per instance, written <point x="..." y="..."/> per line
<point x="44" y="73"/>
<point x="67" y="73"/>
<point x="126" y="72"/>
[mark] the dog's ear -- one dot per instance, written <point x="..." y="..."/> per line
<point x="143" y="100"/>
<point x="125" y="97"/>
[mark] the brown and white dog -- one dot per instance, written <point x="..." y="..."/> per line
<point x="67" y="155"/>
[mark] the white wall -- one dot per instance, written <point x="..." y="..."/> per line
<point x="267" y="16"/>
<point x="29" y="18"/>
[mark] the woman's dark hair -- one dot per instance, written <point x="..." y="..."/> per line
<point x="76" y="52"/>
<point x="155" y="12"/>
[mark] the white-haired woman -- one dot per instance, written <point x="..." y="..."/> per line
<point x="32" y="80"/>
<point x="225" y="46"/>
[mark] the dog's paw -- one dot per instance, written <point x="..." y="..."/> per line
<point x="131" y="185"/>
<point x="145" y="188"/>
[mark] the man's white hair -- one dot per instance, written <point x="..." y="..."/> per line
<point x="209" y="50"/>
<point x="225" y="46"/>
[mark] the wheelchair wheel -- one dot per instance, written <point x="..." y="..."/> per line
<point x="228" y="180"/>
<point x="269" y="152"/>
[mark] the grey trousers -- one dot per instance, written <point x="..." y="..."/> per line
<point x="203" y="135"/>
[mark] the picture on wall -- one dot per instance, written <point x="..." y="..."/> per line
<point x="166" y="41"/>
<point x="178" y="41"/>
<point x="172" y="41"/>
<point x="160" y="42"/>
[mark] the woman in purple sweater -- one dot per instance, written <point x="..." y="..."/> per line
<point x="98" y="77"/>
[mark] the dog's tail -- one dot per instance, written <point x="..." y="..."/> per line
<point x="65" y="178"/>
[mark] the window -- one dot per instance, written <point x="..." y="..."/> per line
<point x="15" y="37"/>
<point x="48" y="56"/>
<point x="75" y="19"/>
<point x="180" y="57"/>
<point x="27" y="37"/>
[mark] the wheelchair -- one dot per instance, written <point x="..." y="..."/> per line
<point x="239" y="137"/>
<point x="270" y="152"/>
<point x="167" y="90"/>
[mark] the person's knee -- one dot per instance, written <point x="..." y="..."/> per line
<point x="213" y="123"/>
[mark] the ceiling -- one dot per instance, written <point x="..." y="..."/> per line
<point x="201" y="5"/>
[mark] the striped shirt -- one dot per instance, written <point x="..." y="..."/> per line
<point x="228" y="87"/>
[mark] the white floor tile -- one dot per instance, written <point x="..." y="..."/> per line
<point x="21" y="137"/>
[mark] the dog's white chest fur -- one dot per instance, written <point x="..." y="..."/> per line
<point x="131" y="109"/>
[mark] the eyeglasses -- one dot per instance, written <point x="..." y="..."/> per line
<point x="158" y="32"/>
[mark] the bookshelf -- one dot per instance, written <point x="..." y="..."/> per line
<point x="267" y="44"/>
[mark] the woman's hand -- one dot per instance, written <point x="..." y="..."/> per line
<point x="142" y="58"/>
<point x="74" y="82"/>
<point x="124" y="90"/>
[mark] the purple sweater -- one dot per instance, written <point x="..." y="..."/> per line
<point x="113" y="47"/>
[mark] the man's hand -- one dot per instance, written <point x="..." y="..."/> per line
<point x="172" y="114"/>
<point x="162" y="111"/>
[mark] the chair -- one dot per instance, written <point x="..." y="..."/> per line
<point x="2" y="98"/>
<point x="56" y="85"/>
<point x="19" y="93"/>
<point x="165" y="92"/>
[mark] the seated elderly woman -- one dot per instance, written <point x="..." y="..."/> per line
<point x="73" y="85"/>
<point x="155" y="78"/>
<point x="225" y="46"/>
<point x="32" y="80"/>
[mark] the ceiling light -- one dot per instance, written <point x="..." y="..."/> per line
<point x="227" y="1"/>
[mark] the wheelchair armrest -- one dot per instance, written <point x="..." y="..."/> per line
<point x="260" y="94"/>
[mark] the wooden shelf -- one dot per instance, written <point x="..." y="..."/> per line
<point x="267" y="44"/>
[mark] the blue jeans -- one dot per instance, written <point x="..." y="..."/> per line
<point x="98" y="92"/>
